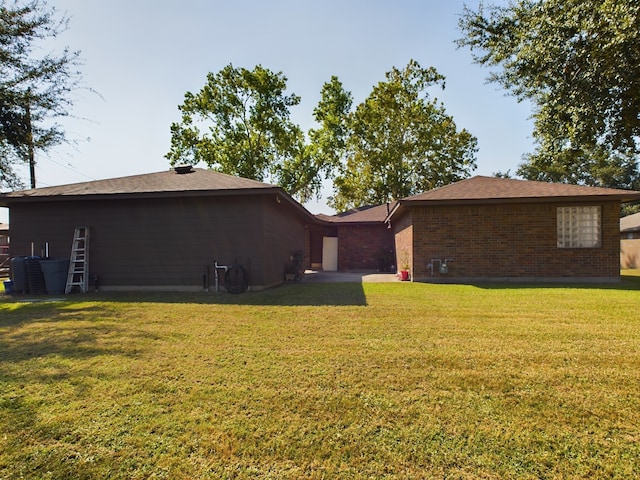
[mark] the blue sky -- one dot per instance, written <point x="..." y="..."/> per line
<point x="142" y="56"/>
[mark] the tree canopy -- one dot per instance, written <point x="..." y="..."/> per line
<point x="398" y="141"/>
<point x="578" y="62"/>
<point x="239" y="124"/>
<point x="328" y="143"/>
<point x="35" y="87"/>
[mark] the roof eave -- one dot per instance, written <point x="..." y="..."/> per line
<point x="399" y="204"/>
<point x="8" y="200"/>
<point x="623" y="198"/>
<point x="5" y="200"/>
<point x="356" y="222"/>
<point x="306" y="214"/>
<point x="403" y="204"/>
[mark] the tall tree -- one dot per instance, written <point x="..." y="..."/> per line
<point x="327" y="144"/>
<point x="578" y="62"/>
<point x="35" y="88"/>
<point x="398" y="142"/>
<point x="239" y="124"/>
<point x="326" y="147"/>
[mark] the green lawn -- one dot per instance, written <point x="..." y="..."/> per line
<point x="394" y="380"/>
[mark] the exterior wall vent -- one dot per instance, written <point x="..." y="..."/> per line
<point x="182" y="169"/>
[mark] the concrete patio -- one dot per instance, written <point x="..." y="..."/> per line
<point x="314" y="276"/>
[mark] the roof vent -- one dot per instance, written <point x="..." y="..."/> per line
<point x="182" y="169"/>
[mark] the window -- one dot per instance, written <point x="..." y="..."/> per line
<point x="579" y="227"/>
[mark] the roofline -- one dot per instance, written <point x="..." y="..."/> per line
<point x="395" y="208"/>
<point x="365" y="222"/>
<point x="6" y="199"/>
<point x="274" y="190"/>
<point x="295" y="204"/>
<point x="622" y="198"/>
<point x="634" y="196"/>
<point x="320" y="222"/>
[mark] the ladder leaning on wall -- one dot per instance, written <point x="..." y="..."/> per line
<point x="78" y="275"/>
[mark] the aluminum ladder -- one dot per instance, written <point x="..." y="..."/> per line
<point x="78" y="275"/>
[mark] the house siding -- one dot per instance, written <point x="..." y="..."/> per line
<point x="404" y="239"/>
<point x="284" y="235"/>
<point x="506" y="241"/>
<point x="364" y="247"/>
<point x="166" y="242"/>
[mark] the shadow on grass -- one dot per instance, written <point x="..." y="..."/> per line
<point x="290" y="294"/>
<point x="297" y="294"/>
<point x="626" y="283"/>
<point x="303" y="294"/>
<point x="53" y="331"/>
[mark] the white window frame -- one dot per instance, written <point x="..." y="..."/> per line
<point x="579" y="227"/>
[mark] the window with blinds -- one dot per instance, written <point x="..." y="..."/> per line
<point x="579" y="227"/>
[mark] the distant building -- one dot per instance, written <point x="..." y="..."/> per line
<point x="630" y="241"/>
<point x="630" y="227"/>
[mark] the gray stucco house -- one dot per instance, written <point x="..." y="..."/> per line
<point x="165" y="230"/>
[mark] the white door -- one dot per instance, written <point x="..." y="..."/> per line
<point x="330" y="254"/>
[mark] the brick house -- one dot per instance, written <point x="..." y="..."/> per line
<point x="486" y="228"/>
<point x="364" y="241"/>
<point x="630" y="227"/>
<point x="163" y="231"/>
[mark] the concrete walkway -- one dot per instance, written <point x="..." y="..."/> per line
<point x="313" y="276"/>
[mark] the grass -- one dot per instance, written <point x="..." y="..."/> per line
<point x="324" y="381"/>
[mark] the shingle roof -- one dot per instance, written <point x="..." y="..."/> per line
<point x="481" y="189"/>
<point x="150" y="184"/>
<point x="368" y="214"/>
<point x="506" y="189"/>
<point x="630" y="223"/>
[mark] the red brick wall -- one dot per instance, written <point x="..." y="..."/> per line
<point x="508" y="241"/>
<point x="361" y="247"/>
<point x="403" y="228"/>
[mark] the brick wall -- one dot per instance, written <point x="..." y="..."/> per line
<point x="507" y="241"/>
<point x="365" y="247"/>
<point x="403" y="228"/>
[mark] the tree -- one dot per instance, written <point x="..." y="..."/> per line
<point x="323" y="153"/>
<point x="239" y="124"/>
<point x="34" y="89"/>
<point x="327" y="144"/>
<point x="578" y="62"/>
<point x="398" y="142"/>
